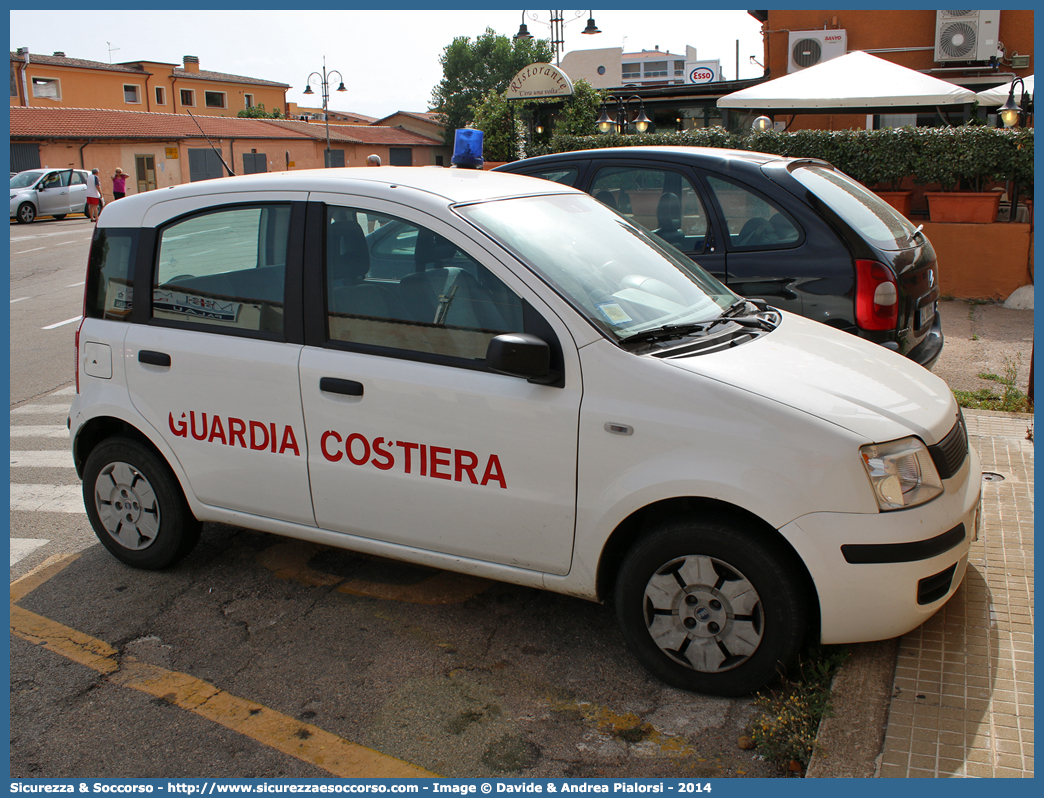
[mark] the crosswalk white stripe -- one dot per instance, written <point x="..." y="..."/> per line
<point x="36" y="410"/>
<point x="46" y="498"/>
<point x="61" y="323"/>
<point x="55" y="458"/>
<point x="32" y="431"/>
<point x="68" y="390"/>
<point x="23" y="547"/>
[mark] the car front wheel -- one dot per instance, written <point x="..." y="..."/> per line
<point x="711" y="606"/>
<point x="26" y="213"/>
<point x="136" y="506"/>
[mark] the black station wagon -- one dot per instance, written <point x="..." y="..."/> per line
<point x="795" y="232"/>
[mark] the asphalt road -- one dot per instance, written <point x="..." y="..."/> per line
<point x="48" y="268"/>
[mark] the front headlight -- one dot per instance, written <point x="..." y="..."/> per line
<point x="901" y="472"/>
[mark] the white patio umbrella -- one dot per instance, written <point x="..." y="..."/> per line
<point x="849" y="83"/>
<point x="999" y="94"/>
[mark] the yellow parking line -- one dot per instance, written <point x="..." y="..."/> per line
<point x="283" y="733"/>
<point x="20" y="588"/>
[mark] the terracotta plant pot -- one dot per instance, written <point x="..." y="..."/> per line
<point x="900" y="200"/>
<point x="976" y="207"/>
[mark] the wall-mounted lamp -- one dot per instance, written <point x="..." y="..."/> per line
<point x="761" y="124"/>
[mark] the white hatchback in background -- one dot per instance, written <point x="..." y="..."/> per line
<point x="48" y="192"/>
<point x="498" y="375"/>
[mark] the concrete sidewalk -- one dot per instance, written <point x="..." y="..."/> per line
<point x="956" y="699"/>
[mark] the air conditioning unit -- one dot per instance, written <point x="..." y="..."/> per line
<point x="811" y="47"/>
<point x="966" y="35"/>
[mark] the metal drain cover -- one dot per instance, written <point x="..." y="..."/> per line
<point x="992" y="476"/>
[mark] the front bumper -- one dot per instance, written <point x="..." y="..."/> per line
<point x="880" y="575"/>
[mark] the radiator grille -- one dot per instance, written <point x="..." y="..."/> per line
<point x="949" y="453"/>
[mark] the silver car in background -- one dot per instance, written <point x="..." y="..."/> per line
<point x="48" y="192"/>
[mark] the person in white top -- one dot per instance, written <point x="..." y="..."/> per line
<point x="93" y="195"/>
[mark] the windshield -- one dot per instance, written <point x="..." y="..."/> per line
<point x="874" y="218"/>
<point x="25" y="179"/>
<point x="615" y="273"/>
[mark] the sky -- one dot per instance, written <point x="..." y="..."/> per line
<point x="389" y="59"/>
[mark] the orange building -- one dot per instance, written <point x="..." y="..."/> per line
<point x="57" y="81"/>
<point x="160" y="150"/>
<point x="975" y="49"/>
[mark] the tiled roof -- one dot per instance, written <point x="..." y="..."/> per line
<point x="356" y="119"/>
<point x="357" y="134"/>
<point x="221" y="77"/>
<point x="435" y="117"/>
<point x="136" y="68"/>
<point x="102" y="123"/>
<point x="80" y="63"/>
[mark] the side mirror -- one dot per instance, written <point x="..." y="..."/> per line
<point x="521" y="355"/>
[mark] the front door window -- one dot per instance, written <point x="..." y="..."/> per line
<point x="661" y="200"/>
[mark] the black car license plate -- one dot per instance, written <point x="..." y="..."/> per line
<point x="926" y="315"/>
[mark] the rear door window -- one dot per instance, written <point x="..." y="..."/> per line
<point x="225" y="269"/>
<point x="753" y="221"/>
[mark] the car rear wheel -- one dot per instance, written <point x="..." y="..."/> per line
<point x="136" y="506"/>
<point x="711" y="607"/>
<point x="26" y="213"/>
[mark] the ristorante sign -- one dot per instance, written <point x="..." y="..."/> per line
<point x="539" y="80"/>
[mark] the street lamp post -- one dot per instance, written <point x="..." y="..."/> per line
<point x="324" y="79"/>
<point x="641" y="121"/>
<point x="557" y="23"/>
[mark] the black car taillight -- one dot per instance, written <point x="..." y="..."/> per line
<point x="877" y="296"/>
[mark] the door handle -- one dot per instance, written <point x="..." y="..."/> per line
<point x="337" y="385"/>
<point x="154" y="358"/>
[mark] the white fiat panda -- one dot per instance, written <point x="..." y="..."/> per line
<point x="499" y="375"/>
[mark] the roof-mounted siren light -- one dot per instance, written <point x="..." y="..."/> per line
<point x="811" y="47"/>
<point x="966" y="35"/>
<point x="467" y="148"/>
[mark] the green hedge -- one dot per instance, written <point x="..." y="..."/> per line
<point x="951" y="157"/>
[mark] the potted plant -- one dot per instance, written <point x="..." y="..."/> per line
<point x="961" y="160"/>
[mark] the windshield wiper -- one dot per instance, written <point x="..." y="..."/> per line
<point x="732" y="313"/>
<point x="666" y="332"/>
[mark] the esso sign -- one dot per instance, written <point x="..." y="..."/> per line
<point x="701" y="75"/>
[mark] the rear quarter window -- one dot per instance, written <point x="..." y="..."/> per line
<point x="873" y="218"/>
<point x="110" y="274"/>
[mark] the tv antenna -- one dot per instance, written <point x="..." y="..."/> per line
<point x="111" y="50"/>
